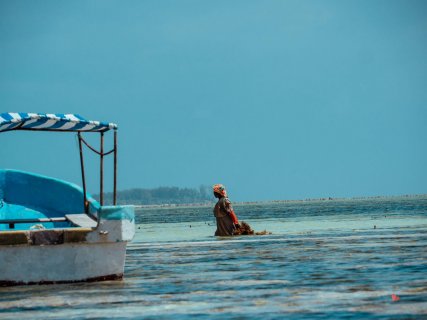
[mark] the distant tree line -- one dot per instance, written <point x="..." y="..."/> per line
<point x="161" y="195"/>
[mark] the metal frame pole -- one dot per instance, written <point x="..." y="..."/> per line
<point x="83" y="173"/>
<point x="101" y="178"/>
<point x="115" y="169"/>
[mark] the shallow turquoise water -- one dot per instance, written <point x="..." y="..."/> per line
<point x="326" y="259"/>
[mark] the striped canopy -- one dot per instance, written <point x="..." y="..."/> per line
<point x="51" y="122"/>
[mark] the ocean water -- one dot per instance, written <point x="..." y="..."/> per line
<point x="338" y="259"/>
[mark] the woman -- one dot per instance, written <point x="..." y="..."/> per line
<point x="226" y="220"/>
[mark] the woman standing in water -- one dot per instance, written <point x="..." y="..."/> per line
<point x="226" y="219"/>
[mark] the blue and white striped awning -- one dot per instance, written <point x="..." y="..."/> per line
<point x="51" y="122"/>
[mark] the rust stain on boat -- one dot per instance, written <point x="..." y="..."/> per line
<point x="76" y="235"/>
<point x="44" y="237"/>
<point x="13" y="238"/>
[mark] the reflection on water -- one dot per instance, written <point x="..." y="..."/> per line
<point x="324" y="260"/>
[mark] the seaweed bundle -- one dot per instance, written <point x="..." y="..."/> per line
<point x="245" y="229"/>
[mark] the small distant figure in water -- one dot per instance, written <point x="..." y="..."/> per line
<point x="226" y="219"/>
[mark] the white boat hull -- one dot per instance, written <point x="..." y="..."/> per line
<point x="69" y="254"/>
<point x="68" y="262"/>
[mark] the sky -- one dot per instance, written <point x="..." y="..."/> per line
<point x="276" y="99"/>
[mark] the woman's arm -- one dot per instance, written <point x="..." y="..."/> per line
<point x="230" y="211"/>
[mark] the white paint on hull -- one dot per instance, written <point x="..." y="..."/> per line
<point x="113" y="231"/>
<point x="69" y="254"/>
<point x="60" y="263"/>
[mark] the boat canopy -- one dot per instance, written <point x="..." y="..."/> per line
<point x="51" y="122"/>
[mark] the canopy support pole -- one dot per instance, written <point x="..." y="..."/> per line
<point x="85" y="203"/>
<point x="115" y="169"/>
<point x="101" y="178"/>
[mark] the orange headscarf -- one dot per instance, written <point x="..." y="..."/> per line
<point x="220" y="189"/>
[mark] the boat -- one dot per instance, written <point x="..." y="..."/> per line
<point x="54" y="231"/>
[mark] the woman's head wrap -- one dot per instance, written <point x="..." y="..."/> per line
<point x="220" y="189"/>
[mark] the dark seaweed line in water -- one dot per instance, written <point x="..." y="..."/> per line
<point x="340" y="246"/>
<point x="409" y="234"/>
<point x="392" y="208"/>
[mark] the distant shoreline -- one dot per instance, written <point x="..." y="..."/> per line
<point x="209" y="204"/>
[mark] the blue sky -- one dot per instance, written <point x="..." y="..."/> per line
<point x="274" y="99"/>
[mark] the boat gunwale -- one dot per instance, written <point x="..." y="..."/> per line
<point x="29" y="237"/>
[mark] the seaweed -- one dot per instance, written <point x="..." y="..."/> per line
<point x="245" y="229"/>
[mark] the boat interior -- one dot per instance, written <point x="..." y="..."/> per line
<point x="30" y="201"/>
